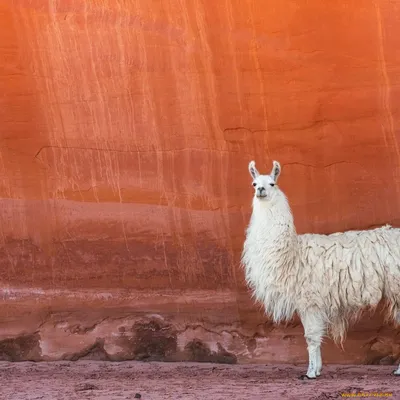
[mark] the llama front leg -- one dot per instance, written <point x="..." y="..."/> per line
<point x="314" y="330"/>
<point x="313" y="347"/>
<point x="319" y="362"/>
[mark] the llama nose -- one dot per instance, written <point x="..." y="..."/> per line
<point x="261" y="188"/>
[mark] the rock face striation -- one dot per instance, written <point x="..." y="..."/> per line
<point x="126" y="128"/>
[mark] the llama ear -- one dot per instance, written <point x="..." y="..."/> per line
<point x="253" y="170"/>
<point x="276" y="171"/>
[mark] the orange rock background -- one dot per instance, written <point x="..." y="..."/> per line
<point x="126" y="128"/>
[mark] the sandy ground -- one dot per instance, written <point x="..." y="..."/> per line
<point x="156" y="381"/>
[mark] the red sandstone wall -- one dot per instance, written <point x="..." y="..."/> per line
<point x="125" y="132"/>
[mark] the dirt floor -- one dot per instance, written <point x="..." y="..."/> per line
<point x="156" y="381"/>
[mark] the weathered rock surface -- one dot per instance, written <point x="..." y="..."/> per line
<point x="125" y="132"/>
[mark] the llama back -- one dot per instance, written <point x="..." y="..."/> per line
<point x="345" y="272"/>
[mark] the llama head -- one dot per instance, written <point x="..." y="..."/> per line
<point x="265" y="186"/>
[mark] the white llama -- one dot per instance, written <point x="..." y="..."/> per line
<point x="326" y="279"/>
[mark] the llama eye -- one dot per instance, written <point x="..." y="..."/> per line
<point x="254" y="184"/>
<point x="272" y="184"/>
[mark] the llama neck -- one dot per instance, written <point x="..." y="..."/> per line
<point x="270" y="255"/>
<point x="271" y="242"/>
<point x="272" y="221"/>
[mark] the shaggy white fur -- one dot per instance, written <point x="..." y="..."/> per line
<point x="327" y="279"/>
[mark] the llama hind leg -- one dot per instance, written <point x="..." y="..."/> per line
<point x="314" y="330"/>
<point x="397" y="320"/>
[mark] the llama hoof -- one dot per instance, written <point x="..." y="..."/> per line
<point x="396" y="372"/>
<point x="305" y="376"/>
